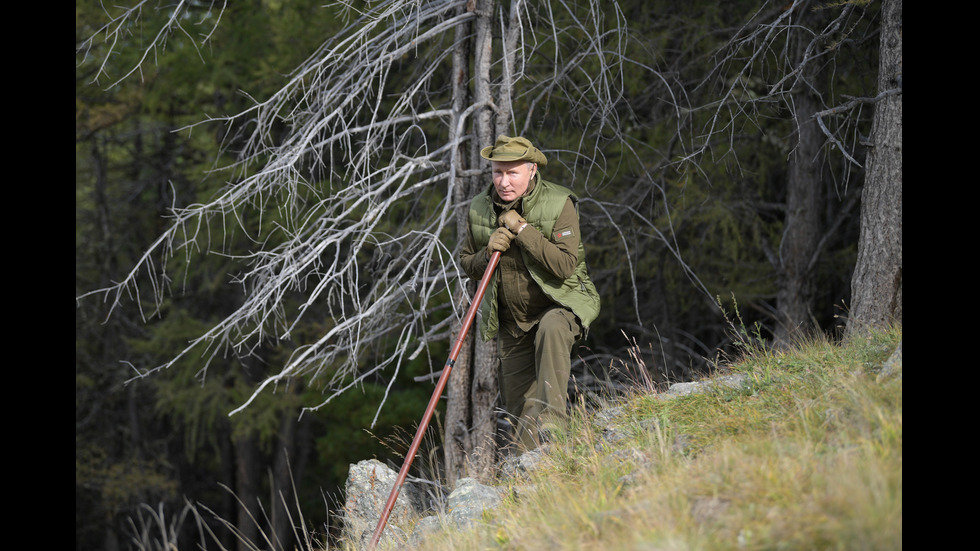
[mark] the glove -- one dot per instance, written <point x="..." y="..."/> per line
<point x="511" y="220"/>
<point x="499" y="240"/>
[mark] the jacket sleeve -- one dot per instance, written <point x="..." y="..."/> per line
<point x="558" y="252"/>
<point x="473" y="259"/>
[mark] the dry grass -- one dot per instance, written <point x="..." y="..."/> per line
<point x="808" y="455"/>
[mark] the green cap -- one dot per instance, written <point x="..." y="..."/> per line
<point x="513" y="149"/>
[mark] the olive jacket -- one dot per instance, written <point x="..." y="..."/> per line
<point x="545" y="265"/>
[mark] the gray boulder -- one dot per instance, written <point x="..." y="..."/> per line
<point x="367" y="489"/>
<point x="469" y="500"/>
<point x="464" y="506"/>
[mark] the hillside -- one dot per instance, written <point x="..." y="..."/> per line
<point x="799" y="449"/>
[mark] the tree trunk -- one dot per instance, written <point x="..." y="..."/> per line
<point x="229" y="476"/>
<point x="802" y="227"/>
<point x="484" y="390"/>
<point x="483" y="396"/>
<point x="247" y="490"/>
<point x="876" y="286"/>
<point x="801" y="234"/>
<point x="455" y="441"/>
<point x="283" y="497"/>
<point x="470" y="447"/>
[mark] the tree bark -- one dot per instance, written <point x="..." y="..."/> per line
<point x="283" y="497"/>
<point x="876" y="286"/>
<point x="247" y="490"/>
<point x="455" y="442"/>
<point x="470" y="446"/>
<point x="801" y="234"/>
<point x="484" y="390"/>
<point x="804" y="199"/>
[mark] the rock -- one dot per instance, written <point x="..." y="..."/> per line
<point x="367" y="489"/>
<point x="725" y="381"/>
<point x="610" y="423"/>
<point x="425" y="527"/>
<point x="469" y="500"/>
<point x="516" y="466"/>
<point x="465" y="505"/>
<point x="893" y="366"/>
<point x="608" y="415"/>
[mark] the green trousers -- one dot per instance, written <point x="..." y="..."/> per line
<point x="533" y="374"/>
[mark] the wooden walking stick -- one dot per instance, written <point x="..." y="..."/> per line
<point x="436" y="394"/>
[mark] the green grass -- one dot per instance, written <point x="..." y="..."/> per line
<point x="806" y="455"/>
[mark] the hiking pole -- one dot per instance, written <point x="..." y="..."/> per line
<point x="436" y="394"/>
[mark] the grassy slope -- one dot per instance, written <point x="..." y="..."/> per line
<point x="806" y="455"/>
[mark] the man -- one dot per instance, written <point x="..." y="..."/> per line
<point x="541" y="299"/>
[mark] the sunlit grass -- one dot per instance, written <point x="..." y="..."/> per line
<point x="806" y="455"/>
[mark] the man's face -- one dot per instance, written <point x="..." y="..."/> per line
<point x="512" y="178"/>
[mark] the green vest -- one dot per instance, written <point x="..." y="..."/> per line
<point x="541" y="209"/>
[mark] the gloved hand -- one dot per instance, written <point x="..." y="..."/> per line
<point x="499" y="240"/>
<point x="511" y="220"/>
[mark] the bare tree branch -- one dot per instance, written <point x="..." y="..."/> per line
<point x="359" y="145"/>
<point x="127" y="20"/>
<point x="844" y="108"/>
